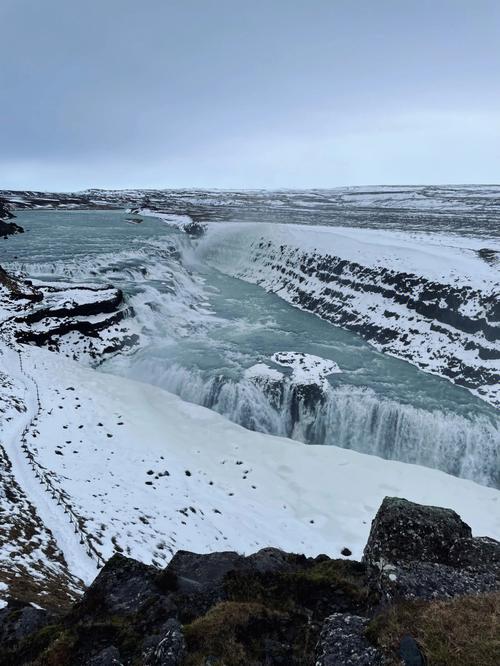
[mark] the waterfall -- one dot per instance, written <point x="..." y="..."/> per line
<point x="346" y="416"/>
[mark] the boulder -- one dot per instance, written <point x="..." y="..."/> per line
<point x="122" y="587"/>
<point x="107" y="657"/>
<point x="476" y="553"/>
<point x="19" y="619"/>
<point x="403" y="531"/>
<point x="428" y="580"/>
<point x="197" y="572"/>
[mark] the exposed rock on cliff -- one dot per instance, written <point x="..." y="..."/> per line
<point x="79" y="320"/>
<point x="7" y="228"/>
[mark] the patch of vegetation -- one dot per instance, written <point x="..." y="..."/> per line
<point x="231" y="633"/>
<point x="324" y="587"/>
<point x="464" y="630"/>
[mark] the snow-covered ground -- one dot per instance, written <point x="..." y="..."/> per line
<point x="145" y="473"/>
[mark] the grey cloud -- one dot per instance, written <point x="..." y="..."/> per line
<point x="230" y="93"/>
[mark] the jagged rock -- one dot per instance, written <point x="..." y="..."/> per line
<point x="342" y="642"/>
<point x="168" y="649"/>
<point x="7" y="228"/>
<point x="121" y="588"/>
<point x="271" y="560"/>
<point x="5" y="210"/>
<point x="403" y="531"/>
<point x="271" y="607"/>
<point x="19" y="619"/>
<point x="195" y="229"/>
<point x="196" y="572"/>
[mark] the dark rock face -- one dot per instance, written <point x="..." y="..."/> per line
<point x="195" y="229"/>
<point x="201" y="572"/>
<point x="169" y="649"/>
<point x="343" y="641"/>
<point x="473" y="552"/>
<point x="7" y="228"/>
<point x="426" y="552"/>
<point x="121" y="588"/>
<point x="107" y="657"/>
<point x="403" y="532"/>
<point x="427" y="580"/>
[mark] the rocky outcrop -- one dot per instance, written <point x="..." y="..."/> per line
<point x="343" y="641"/>
<point x="78" y="320"/>
<point x="7" y="228"/>
<point x="268" y="608"/>
<point x="428" y="552"/>
<point x="404" y="532"/>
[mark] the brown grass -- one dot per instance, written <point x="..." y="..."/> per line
<point x="460" y="632"/>
<point x="227" y="633"/>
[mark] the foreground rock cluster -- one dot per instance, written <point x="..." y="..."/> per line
<point x="425" y="592"/>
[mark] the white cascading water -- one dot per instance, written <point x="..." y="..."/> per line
<point x="349" y="417"/>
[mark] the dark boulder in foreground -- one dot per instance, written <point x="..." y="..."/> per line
<point x="416" y="598"/>
<point x="426" y="552"/>
<point x="403" y="532"/>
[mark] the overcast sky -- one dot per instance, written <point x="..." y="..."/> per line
<point x="239" y="93"/>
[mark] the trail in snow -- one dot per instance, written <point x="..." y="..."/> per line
<point x="63" y="523"/>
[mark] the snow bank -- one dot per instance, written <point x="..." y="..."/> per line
<point x="149" y="474"/>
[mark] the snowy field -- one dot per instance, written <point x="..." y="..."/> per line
<point x="146" y="474"/>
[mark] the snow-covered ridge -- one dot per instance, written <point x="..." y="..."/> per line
<point x="433" y="301"/>
<point x="455" y="209"/>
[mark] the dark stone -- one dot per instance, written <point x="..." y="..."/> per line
<point x="195" y="229"/>
<point x="410" y="652"/>
<point x="271" y="560"/>
<point x="107" y="657"/>
<point x="19" y="620"/>
<point x="346" y="552"/>
<point x="122" y="587"/>
<point x="403" y="531"/>
<point x="201" y="571"/>
<point x="428" y="580"/>
<point x="476" y="552"/>
<point x="342" y="642"/>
